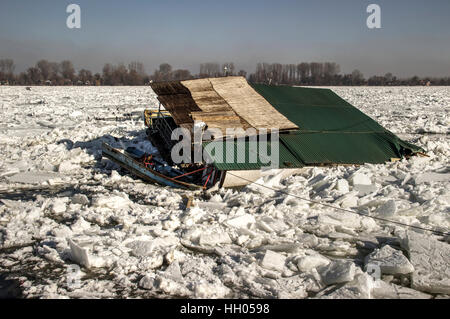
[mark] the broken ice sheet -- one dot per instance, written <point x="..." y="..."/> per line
<point x="32" y="177"/>
<point x="390" y="261"/>
<point x="284" y="224"/>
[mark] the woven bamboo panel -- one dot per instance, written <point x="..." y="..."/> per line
<point x="220" y="120"/>
<point x="180" y="107"/>
<point x="176" y="99"/>
<point x="204" y="95"/>
<point x="216" y="112"/>
<point x="249" y="105"/>
<point x="169" y="88"/>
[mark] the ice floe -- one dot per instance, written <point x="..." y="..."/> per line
<point x="61" y="204"/>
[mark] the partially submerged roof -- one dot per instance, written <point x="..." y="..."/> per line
<point x="176" y="99"/>
<point x="331" y="130"/>
<point x="228" y="102"/>
<point x="317" y="127"/>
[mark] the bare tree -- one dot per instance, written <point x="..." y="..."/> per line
<point x="7" y="70"/>
<point x="316" y="72"/>
<point x="389" y="77"/>
<point x="107" y="74"/>
<point x="34" y="75"/>
<point x="165" y="68"/>
<point x="304" y="70"/>
<point x="228" y="68"/>
<point x="120" y="74"/>
<point x="242" y="73"/>
<point x="7" y="66"/>
<point x="137" y="67"/>
<point x="165" y="71"/>
<point x="67" y="70"/>
<point x="357" y="77"/>
<point x="85" y="76"/>
<point x="44" y="68"/>
<point x="331" y="69"/>
<point x="179" y="75"/>
<point x="136" y="73"/>
<point x="210" y="69"/>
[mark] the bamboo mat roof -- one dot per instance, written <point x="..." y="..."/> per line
<point x="249" y="105"/>
<point x="221" y="103"/>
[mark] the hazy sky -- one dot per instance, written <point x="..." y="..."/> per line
<point x="414" y="39"/>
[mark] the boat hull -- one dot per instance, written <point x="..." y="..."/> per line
<point x="138" y="169"/>
<point x="244" y="177"/>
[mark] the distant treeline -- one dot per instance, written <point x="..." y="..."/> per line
<point x="315" y="73"/>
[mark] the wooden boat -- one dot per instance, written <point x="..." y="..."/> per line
<point x="126" y="160"/>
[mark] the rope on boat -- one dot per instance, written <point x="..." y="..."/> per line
<point x="207" y="180"/>
<point x="186" y="174"/>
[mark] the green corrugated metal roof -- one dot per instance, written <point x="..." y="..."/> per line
<point x="317" y="109"/>
<point x="339" y="148"/>
<point x="247" y="157"/>
<point x="330" y="129"/>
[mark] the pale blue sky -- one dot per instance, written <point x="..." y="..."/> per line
<point x="414" y="39"/>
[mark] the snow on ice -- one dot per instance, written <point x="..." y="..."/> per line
<point x="62" y="204"/>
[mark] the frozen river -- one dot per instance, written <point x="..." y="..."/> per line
<point x="62" y="205"/>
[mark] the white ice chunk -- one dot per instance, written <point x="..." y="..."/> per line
<point x="391" y="261"/>
<point x="67" y="167"/>
<point x="211" y="205"/>
<point x="387" y="209"/>
<point x="76" y="114"/>
<point x="10" y="172"/>
<point x="204" y="290"/>
<point x="32" y="177"/>
<point x="171" y="223"/>
<point x="431" y="177"/>
<point x="58" y="206"/>
<point x="348" y="200"/>
<point x="241" y="221"/>
<point x="273" y="261"/>
<point x="340" y="218"/>
<point x="173" y="271"/>
<point x="360" y="179"/>
<point x="214" y="237"/>
<point x="307" y="240"/>
<point x="112" y="202"/>
<point x="147" y="282"/>
<point x="80" y="254"/>
<point x="115" y="176"/>
<point x="384" y="290"/>
<point x="80" y="199"/>
<point x="307" y="263"/>
<point x="365" y="189"/>
<point x="12" y="203"/>
<point x="337" y="272"/>
<point x="342" y="186"/>
<point x="80" y="225"/>
<point x="145" y="247"/>
<point x="171" y="287"/>
<point x="358" y="288"/>
<point x="264" y="226"/>
<point x="141" y="248"/>
<point x="431" y="262"/>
